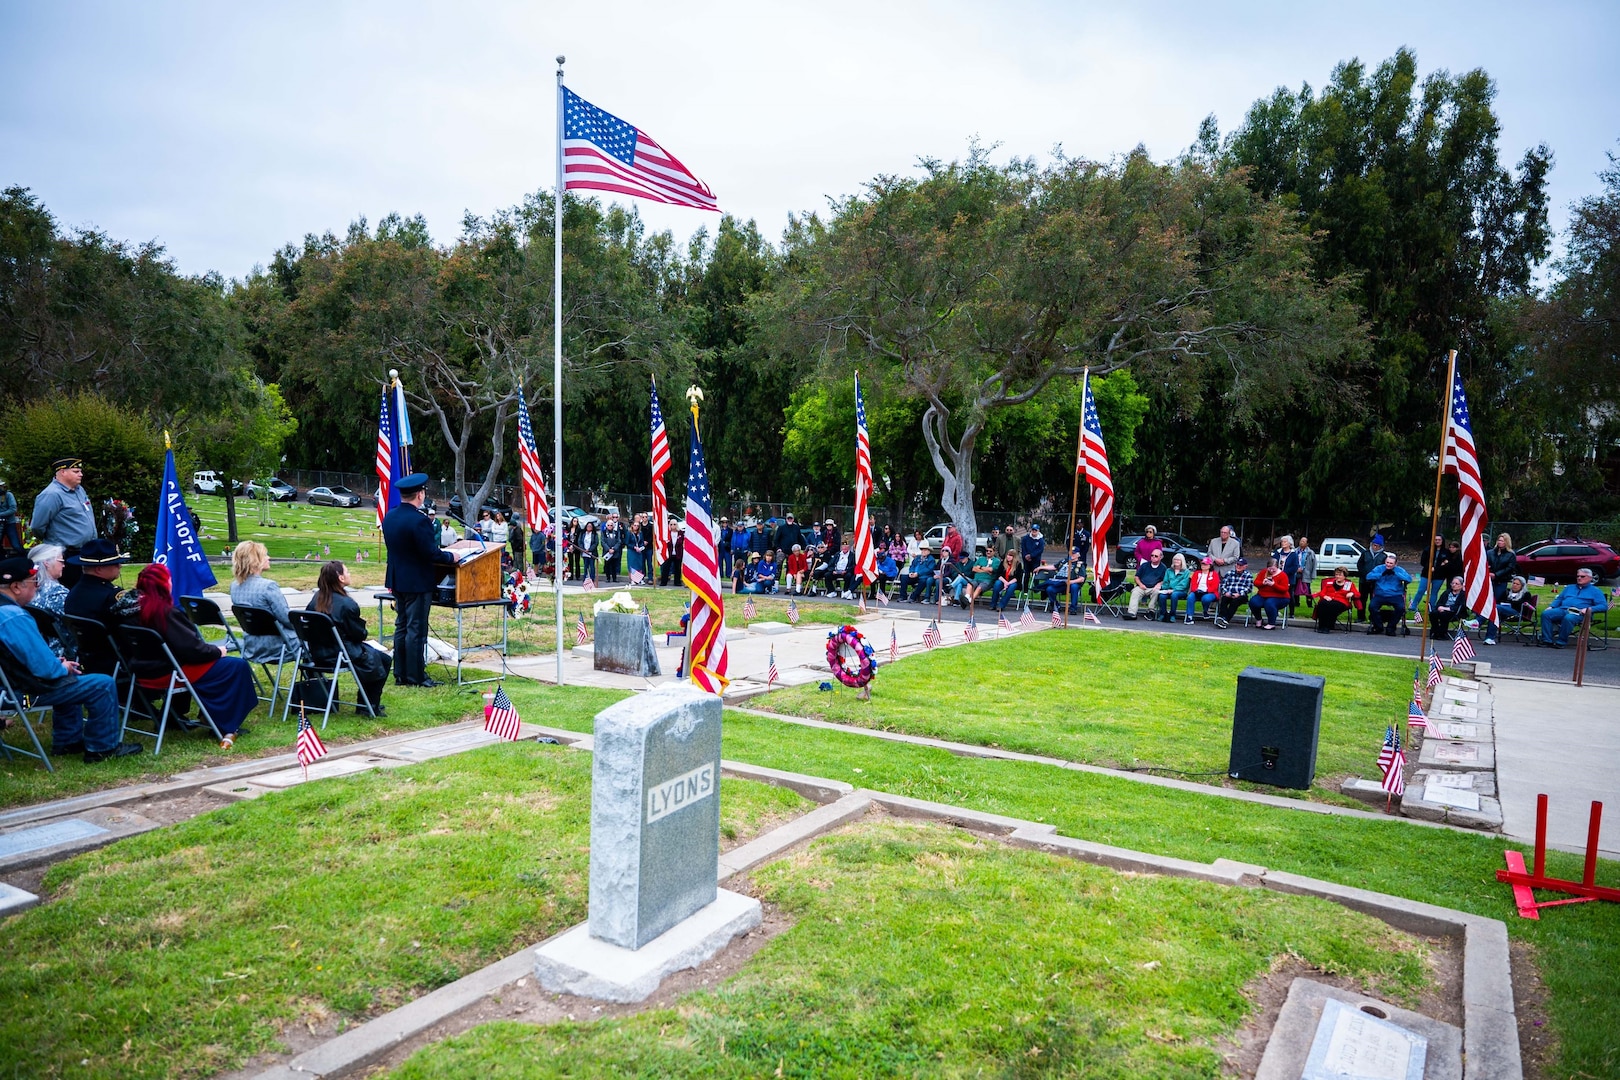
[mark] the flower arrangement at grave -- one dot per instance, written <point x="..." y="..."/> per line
<point x="517" y="595"/>
<point x="620" y="602"/>
<point x="852" y="660"/>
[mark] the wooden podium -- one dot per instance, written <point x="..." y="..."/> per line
<point x="477" y="576"/>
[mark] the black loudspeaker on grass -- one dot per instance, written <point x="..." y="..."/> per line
<point x="1275" y="725"/>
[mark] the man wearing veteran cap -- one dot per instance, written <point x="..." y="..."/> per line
<point x="34" y="670"/>
<point x="93" y="598"/>
<point x="416" y="562"/>
<point x="62" y="514"/>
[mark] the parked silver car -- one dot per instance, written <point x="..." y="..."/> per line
<point x="333" y="496"/>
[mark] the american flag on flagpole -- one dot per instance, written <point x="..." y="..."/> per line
<point x="393" y="447"/>
<point x="1463" y="462"/>
<point x="310" y="747"/>
<point x="501" y="718"/>
<point x="931" y="634"/>
<point x="894" y="644"/>
<point x="793" y="611"/>
<point x="864" y="547"/>
<point x="536" y="510"/>
<point x="603" y="153"/>
<point x="707" y="658"/>
<point x="1415" y="717"/>
<point x="1462" y="649"/>
<point x="660" y="466"/>
<point x="1434" y="670"/>
<point x="1392" y="763"/>
<point x="1094" y="460"/>
<point x="749" y="611"/>
<point x="771" y="674"/>
<point x="581" y="635"/>
<point x="971" y="633"/>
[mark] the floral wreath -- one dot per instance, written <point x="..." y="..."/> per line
<point x="850" y="657"/>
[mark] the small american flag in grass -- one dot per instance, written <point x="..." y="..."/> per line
<point x="589" y="585"/>
<point x="1057" y="617"/>
<point x="1392" y="763"/>
<point x="1002" y="623"/>
<point x="636" y="577"/>
<point x="882" y="598"/>
<point x="771" y="674"/>
<point x="1027" y="619"/>
<point x="971" y="632"/>
<point x="1462" y="649"/>
<point x="793" y="611"/>
<point x="581" y="635"/>
<point x="749" y="610"/>
<point x="1434" y="670"/>
<point x="894" y="644"/>
<point x="1091" y="617"/>
<point x="502" y="717"/>
<point x="931" y="637"/>
<point x="860" y="601"/>
<point x="1415" y="717"/>
<point x="310" y="747"/>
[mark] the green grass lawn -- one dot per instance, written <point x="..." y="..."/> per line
<point x="919" y="950"/>
<point x="1117" y="699"/>
<point x="183" y="951"/>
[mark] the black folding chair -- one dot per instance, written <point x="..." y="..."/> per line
<point x="261" y="623"/>
<point x="1112" y="598"/>
<point x="204" y="612"/>
<point x="142" y="645"/>
<point x="316" y="632"/>
<point x="20" y="706"/>
<point x="94" y="641"/>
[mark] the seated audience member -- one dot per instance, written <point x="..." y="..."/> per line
<point x="840" y="570"/>
<point x="1235" y="588"/>
<point x="978" y="576"/>
<point x="1146" y="546"/>
<point x="223" y="683"/>
<point x="49" y="560"/>
<point x="887" y="571"/>
<point x="1518" y="602"/>
<point x="1203" y="588"/>
<point x="95" y="596"/>
<point x="747" y="573"/>
<point x="1388" y="583"/>
<point x="798" y="568"/>
<point x="1338" y="595"/>
<point x="1451" y="606"/>
<point x="1572" y="605"/>
<point x="371" y="663"/>
<point x="1006" y="581"/>
<point x="250" y="588"/>
<point x="1149" y="581"/>
<point x="1071" y="573"/>
<point x="1270" y="595"/>
<point x="48" y="679"/>
<point x="917" y="584"/>
<point x="1175" y="588"/>
<point x="765" y="575"/>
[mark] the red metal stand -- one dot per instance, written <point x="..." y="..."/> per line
<point x="1580" y="891"/>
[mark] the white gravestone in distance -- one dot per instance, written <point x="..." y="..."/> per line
<point x="655" y="851"/>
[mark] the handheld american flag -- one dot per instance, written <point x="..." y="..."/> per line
<point x="1094" y="460"/>
<point x="865" y="548"/>
<point x="603" y="153"/>
<point x="536" y="510"/>
<point x="700" y="571"/>
<point x="660" y="466"/>
<point x="1463" y="462"/>
<point x="501" y="718"/>
<point x="1462" y="649"/>
<point x="310" y="747"/>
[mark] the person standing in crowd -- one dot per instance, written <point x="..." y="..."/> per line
<point x="649" y="553"/>
<point x="576" y="529"/>
<point x="371" y="664"/>
<point x="10" y="534"/>
<point x="1433" y="563"/>
<point x="48" y="559"/>
<point x="1006" y="543"/>
<point x="831" y="534"/>
<point x="1337" y="596"/>
<point x="62" y="513"/>
<point x="519" y="548"/>
<point x="1031" y="550"/>
<point x="677" y="549"/>
<point x="1224" y="551"/>
<point x="590" y="550"/>
<point x="415" y="565"/>
<point x="48" y="679"/>
<point x="1304" y="583"/>
<point x="539" y="547"/>
<point x="1235" y="589"/>
<point x="1146" y="546"/>
<point x="612" y="545"/>
<point x="722" y="549"/>
<point x="1503" y="563"/>
<point x="789" y="534"/>
<point x="250" y="588"/>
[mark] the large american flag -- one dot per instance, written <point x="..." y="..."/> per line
<point x="1392" y="763"/>
<point x="865" y="549"/>
<point x="393" y="447"/>
<point x="660" y="466"/>
<point x="310" y="747"/>
<point x="535" y="508"/>
<point x="603" y="153"/>
<point x="1463" y="463"/>
<point x="1094" y="461"/>
<point x="700" y="571"/>
<point x="502" y="718"/>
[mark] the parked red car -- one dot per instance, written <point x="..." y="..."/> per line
<point x="1559" y="558"/>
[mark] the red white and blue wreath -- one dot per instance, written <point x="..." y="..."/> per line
<point x="851" y="659"/>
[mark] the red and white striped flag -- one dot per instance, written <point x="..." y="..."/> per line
<point x="1057" y="616"/>
<point x="882" y="597"/>
<point x="385" y="460"/>
<point x="310" y="747"/>
<point x="1462" y="649"/>
<point x="864" y="546"/>
<point x="501" y="716"/>
<point x="894" y="644"/>
<point x="536" y="510"/>
<point x="971" y="633"/>
<point x="793" y="611"/>
<point x="1002" y="623"/>
<point x="588" y="585"/>
<point x="1392" y="763"/>
<point x="771" y="674"/>
<point x="1463" y="462"/>
<point x="749" y="610"/>
<point x="660" y="466"/>
<point x="1091" y="617"/>
<point x="1027" y="619"/>
<point x="931" y="634"/>
<point x="707" y="657"/>
<point x="1415" y="717"/>
<point x="1434" y="670"/>
<point x="581" y="635"/>
<point x="603" y="153"/>
<point x="1094" y="461"/>
<point x="636" y="577"/>
<point x="860" y="600"/>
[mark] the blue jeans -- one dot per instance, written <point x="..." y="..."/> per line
<point x="1375" y="613"/>
<point x="1562" y="621"/>
<point x="1207" y="599"/>
<point x="1055" y="587"/>
<point x="1174" y="601"/>
<point x="999" y="595"/>
<point x="725" y="561"/>
<point x="94" y="694"/>
<point x="1268" y="604"/>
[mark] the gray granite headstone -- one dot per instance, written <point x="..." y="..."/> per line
<point x="624" y="644"/>
<point x="655" y="813"/>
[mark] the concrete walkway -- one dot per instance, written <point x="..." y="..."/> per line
<point x="1563" y="741"/>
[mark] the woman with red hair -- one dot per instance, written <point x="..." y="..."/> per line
<point x="223" y="683"/>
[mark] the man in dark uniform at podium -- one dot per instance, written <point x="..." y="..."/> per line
<point x="416" y="564"/>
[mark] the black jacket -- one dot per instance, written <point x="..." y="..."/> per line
<point x="351" y="627"/>
<point x="415" y="560"/>
<point x="1503" y="565"/>
<point x="184" y="641"/>
<point x="93" y="598"/>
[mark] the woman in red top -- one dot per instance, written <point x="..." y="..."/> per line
<point x="1271" y="593"/>
<point x="797" y="568"/>
<point x="223" y="683"/>
<point x="1337" y="595"/>
<point x="1204" y="589"/>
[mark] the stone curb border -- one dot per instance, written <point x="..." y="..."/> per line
<point x="1490" y="1028"/>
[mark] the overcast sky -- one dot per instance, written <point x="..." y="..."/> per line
<point x="224" y="131"/>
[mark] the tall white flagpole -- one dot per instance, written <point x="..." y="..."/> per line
<point x="556" y="378"/>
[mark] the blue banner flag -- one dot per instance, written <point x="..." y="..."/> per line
<point x="178" y="547"/>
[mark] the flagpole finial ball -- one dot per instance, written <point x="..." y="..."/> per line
<point x="694" y="395"/>
<point x="561" y="60"/>
<point x="393" y="373"/>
